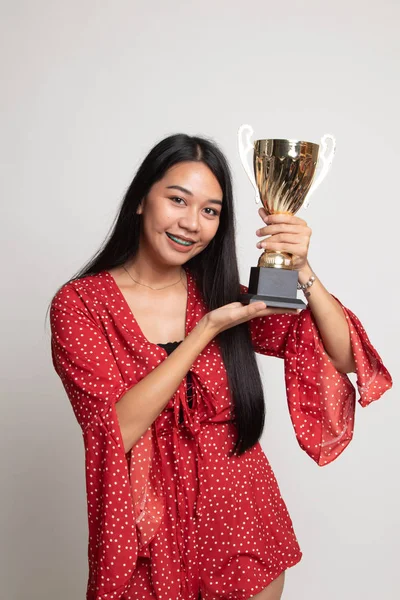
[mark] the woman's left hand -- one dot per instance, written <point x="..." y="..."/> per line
<point x="286" y="233"/>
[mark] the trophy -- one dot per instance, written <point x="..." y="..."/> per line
<point x="285" y="173"/>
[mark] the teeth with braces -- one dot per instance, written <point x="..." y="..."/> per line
<point x="179" y="241"/>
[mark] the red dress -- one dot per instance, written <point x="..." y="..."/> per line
<point x="176" y="517"/>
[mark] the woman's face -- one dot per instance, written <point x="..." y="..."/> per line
<point x="186" y="203"/>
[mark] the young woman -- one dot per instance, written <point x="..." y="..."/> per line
<point x="157" y="356"/>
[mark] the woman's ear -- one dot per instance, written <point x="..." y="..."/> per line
<point x="139" y="209"/>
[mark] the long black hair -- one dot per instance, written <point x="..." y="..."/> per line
<point x="215" y="270"/>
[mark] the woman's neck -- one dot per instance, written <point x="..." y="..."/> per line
<point x="153" y="275"/>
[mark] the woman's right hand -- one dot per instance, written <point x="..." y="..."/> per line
<point x="235" y="313"/>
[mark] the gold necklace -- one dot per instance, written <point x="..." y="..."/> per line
<point x="149" y="286"/>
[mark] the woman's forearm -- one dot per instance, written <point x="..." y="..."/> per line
<point x="141" y="405"/>
<point x="331" y="322"/>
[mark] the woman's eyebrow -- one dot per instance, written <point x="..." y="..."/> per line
<point x="185" y="191"/>
<point x="179" y="187"/>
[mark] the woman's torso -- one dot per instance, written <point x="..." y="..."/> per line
<point x="160" y="314"/>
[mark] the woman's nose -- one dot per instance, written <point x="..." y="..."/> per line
<point x="190" y="220"/>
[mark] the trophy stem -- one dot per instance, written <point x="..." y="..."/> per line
<point x="276" y="260"/>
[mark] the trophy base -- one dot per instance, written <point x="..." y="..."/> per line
<point x="273" y="301"/>
<point x="276" y="287"/>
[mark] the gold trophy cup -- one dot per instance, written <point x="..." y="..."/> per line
<point x="285" y="173"/>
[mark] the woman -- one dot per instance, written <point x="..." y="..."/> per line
<point x="157" y="356"/>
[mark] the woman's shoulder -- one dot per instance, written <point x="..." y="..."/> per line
<point x="89" y="288"/>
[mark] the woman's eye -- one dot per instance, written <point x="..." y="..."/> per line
<point x="178" y="200"/>
<point x="214" y="213"/>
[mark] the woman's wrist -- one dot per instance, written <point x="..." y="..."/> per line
<point x="203" y="332"/>
<point x="305" y="274"/>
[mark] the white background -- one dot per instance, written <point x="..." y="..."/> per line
<point x="88" y="88"/>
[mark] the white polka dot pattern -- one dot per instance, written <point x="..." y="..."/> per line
<point x="321" y="400"/>
<point x="176" y="516"/>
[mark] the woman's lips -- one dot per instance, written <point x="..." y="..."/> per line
<point x="179" y="247"/>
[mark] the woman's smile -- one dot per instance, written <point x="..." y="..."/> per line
<point x="178" y="243"/>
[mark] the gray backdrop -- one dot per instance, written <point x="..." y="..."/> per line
<point x="88" y="88"/>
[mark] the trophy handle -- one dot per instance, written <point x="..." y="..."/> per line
<point x="326" y="158"/>
<point x="244" y="149"/>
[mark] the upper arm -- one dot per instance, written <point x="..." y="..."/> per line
<point x="82" y="357"/>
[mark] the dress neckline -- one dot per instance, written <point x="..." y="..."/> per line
<point x="109" y="277"/>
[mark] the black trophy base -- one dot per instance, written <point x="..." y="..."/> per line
<point x="276" y="287"/>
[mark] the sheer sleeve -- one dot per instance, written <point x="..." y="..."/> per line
<point x="269" y="334"/>
<point x="321" y="399"/>
<point x="83" y="359"/>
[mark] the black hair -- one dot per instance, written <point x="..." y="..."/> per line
<point x="215" y="270"/>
